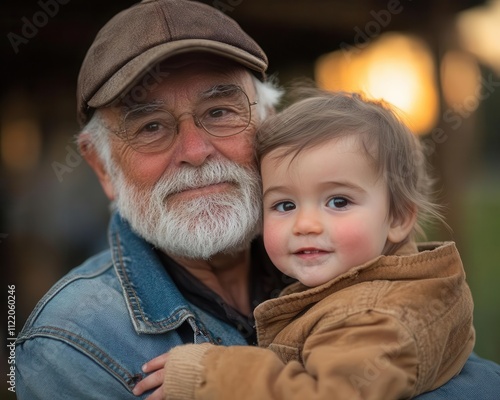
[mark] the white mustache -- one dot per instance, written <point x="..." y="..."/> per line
<point x="187" y="178"/>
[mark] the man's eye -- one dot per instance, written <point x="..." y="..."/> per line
<point x="156" y="127"/>
<point x="338" y="202"/>
<point x="216" y="113"/>
<point x="152" y="127"/>
<point x="284" y="206"/>
<point x="220" y="112"/>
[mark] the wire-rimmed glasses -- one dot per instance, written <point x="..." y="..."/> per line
<point x="223" y="111"/>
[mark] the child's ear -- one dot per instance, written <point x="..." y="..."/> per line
<point x="402" y="226"/>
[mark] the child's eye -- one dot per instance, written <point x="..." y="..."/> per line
<point x="338" y="202"/>
<point x="284" y="206"/>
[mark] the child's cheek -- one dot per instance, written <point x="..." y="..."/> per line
<point x="357" y="243"/>
<point x="350" y="236"/>
<point x="274" y="241"/>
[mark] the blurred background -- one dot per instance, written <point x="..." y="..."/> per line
<point x="437" y="61"/>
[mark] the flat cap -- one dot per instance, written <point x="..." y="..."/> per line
<point x="136" y="39"/>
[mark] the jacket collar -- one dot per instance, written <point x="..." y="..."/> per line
<point x="411" y="262"/>
<point x="155" y="304"/>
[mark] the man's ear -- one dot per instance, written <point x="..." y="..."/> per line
<point x="402" y="226"/>
<point x="88" y="151"/>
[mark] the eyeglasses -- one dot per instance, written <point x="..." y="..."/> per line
<point x="225" y="111"/>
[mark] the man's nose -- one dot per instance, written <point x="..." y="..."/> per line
<point x="307" y="221"/>
<point x="193" y="142"/>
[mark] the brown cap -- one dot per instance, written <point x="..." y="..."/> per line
<point x="137" y="38"/>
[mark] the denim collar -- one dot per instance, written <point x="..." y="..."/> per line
<point x="154" y="303"/>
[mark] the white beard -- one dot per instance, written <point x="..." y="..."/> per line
<point x="197" y="228"/>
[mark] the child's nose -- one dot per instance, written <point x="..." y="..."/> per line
<point x="307" y="222"/>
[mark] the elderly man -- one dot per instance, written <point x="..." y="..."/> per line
<point x="169" y="97"/>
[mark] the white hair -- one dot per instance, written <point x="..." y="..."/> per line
<point x="268" y="96"/>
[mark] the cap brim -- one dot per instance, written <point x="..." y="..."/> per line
<point x="127" y="76"/>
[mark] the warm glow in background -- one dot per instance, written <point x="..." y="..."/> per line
<point x="394" y="67"/>
<point x="437" y="62"/>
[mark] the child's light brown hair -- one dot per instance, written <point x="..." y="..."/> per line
<point x="396" y="153"/>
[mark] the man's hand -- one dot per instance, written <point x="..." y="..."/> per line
<point x="156" y="370"/>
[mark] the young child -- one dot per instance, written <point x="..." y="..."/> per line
<point x="373" y="315"/>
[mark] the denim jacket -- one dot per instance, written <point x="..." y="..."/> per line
<point x="90" y="334"/>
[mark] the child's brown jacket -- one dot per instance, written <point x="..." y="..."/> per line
<point x="389" y="329"/>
